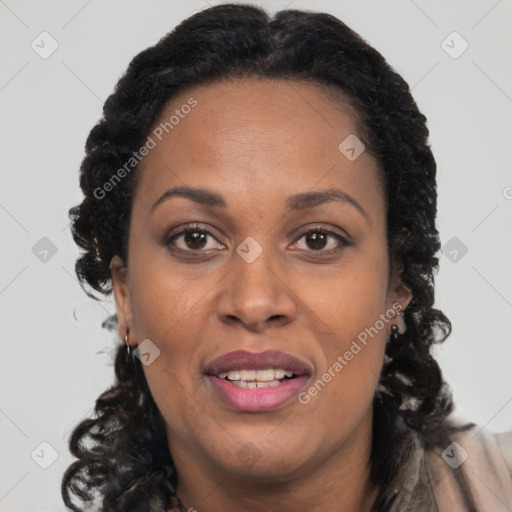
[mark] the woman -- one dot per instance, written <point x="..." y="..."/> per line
<point x="260" y="197"/>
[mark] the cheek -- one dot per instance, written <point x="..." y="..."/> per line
<point x="351" y="308"/>
<point x="169" y="311"/>
<point x="350" y="299"/>
<point x="163" y="299"/>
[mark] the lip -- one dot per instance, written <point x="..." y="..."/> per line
<point x="244" y="360"/>
<point x="257" y="399"/>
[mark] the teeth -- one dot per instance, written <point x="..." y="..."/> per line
<point x="265" y="375"/>
<point x="247" y="375"/>
<point x="256" y="384"/>
<point x="252" y="376"/>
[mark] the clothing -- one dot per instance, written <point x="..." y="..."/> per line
<point x="427" y="481"/>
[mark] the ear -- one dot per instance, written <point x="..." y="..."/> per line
<point x="400" y="294"/>
<point x="399" y="297"/>
<point x="119" y="275"/>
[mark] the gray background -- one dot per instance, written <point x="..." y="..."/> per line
<point x="55" y="358"/>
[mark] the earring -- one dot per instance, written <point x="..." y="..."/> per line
<point x="128" y="346"/>
<point x="394" y="333"/>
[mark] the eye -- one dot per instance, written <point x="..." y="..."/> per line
<point x="318" y="238"/>
<point x="194" y="239"/>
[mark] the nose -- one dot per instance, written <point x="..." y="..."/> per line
<point x="257" y="294"/>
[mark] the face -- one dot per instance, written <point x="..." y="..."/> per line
<point x="296" y="280"/>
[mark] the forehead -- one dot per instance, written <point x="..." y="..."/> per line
<point x="260" y="110"/>
<point x="258" y="135"/>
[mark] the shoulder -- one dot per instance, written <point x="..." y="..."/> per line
<point x="504" y="440"/>
<point x="492" y="449"/>
<point x="483" y="459"/>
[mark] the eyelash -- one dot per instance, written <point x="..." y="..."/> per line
<point x="194" y="228"/>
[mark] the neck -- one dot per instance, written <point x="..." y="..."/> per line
<point x="337" y="481"/>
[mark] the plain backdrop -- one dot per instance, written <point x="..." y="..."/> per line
<point x="55" y="357"/>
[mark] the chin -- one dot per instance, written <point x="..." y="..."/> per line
<point x="259" y="460"/>
<point x="266" y="469"/>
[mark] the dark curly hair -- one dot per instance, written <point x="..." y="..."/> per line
<point x="122" y="452"/>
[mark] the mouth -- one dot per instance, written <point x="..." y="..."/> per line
<point x="252" y="379"/>
<point x="257" y="382"/>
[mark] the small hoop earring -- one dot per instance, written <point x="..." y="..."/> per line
<point x="128" y="347"/>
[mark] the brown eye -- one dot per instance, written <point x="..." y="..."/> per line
<point x="190" y="239"/>
<point x="194" y="239"/>
<point x="316" y="240"/>
<point x="322" y="241"/>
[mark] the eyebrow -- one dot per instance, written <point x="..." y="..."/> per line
<point x="295" y="203"/>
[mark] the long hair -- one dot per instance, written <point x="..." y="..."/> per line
<point x="122" y="452"/>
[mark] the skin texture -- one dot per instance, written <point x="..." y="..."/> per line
<point x="256" y="142"/>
